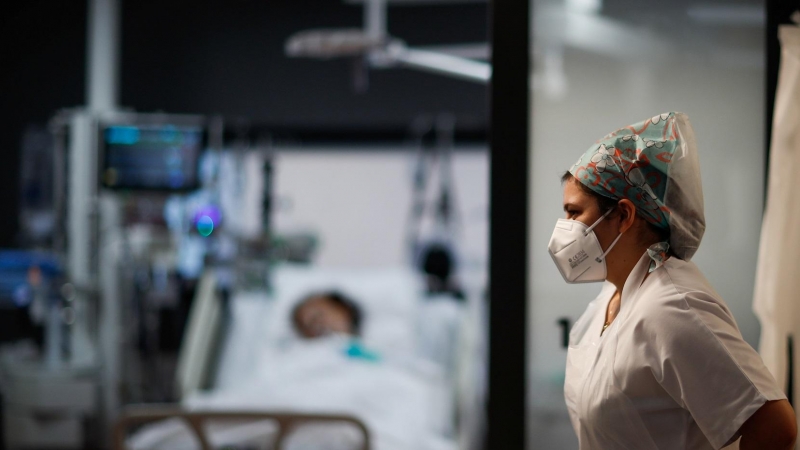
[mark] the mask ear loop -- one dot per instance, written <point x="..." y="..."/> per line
<point x="589" y="230"/>
<point x="603" y="256"/>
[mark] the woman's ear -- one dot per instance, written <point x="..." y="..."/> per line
<point x="627" y="214"/>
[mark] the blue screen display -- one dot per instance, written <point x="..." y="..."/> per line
<point x="161" y="157"/>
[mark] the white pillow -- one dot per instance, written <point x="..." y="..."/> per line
<point x="388" y="298"/>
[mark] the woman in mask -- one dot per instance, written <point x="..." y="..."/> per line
<point x="656" y="361"/>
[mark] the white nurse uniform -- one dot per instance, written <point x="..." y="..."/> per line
<point x="671" y="372"/>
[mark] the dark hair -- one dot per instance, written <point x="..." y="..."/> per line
<point x="606" y="203"/>
<point x="356" y="316"/>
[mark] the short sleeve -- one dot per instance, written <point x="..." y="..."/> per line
<point x="705" y="365"/>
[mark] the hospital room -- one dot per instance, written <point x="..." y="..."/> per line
<point x="399" y="225"/>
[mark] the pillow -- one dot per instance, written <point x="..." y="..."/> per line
<point x="388" y="298"/>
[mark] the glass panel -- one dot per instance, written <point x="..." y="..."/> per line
<point x="300" y="224"/>
<point x="600" y="65"/>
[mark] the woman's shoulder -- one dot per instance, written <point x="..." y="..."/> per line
<point x="687" y="277"/>
<point x="678" y="280"/>
<point x="678" y="295"/>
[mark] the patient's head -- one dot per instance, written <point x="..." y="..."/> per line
<point x="326" y="313"/>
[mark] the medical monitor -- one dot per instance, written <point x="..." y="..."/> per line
<point x="151" y="156"/>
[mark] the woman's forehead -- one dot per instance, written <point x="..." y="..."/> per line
<point x="574" y="194"/>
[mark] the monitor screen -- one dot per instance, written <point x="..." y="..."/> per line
<point x="155" y="157"/>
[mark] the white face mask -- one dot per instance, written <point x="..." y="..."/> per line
<point x="577" y="252"/>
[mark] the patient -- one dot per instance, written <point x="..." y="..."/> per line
<point x="327" y="313"/>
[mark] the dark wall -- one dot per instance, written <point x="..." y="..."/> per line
<point x="223" y="57"/>
<point x="42" y="59"/>
<point x="228" y="58"/>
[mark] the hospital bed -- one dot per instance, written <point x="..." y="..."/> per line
<point x="242" y="364"/>
<point x="279" y="426"/>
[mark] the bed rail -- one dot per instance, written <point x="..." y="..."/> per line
<point x="133" y="416"/>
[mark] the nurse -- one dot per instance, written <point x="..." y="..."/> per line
<point x="656" y="361"/>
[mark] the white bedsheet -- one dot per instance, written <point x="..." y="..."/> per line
<point x="406" y="407"/>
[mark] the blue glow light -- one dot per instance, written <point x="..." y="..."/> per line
<point x="205" y="226"/>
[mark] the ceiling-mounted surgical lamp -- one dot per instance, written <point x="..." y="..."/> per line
<point x="378" y="50"/>
<point x="436" y="62"/>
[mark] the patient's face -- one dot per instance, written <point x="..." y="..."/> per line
<point x="319" y="316"/>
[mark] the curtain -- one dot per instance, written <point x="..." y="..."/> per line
<point x="777" y="287"/>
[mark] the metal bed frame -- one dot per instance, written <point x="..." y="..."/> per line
<point x="134" y="416"/>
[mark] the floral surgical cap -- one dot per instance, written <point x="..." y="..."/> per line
<point x="653" y="164"/>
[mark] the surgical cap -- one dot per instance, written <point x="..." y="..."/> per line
<point x="653" y="164"/>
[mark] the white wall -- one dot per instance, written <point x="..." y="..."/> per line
<point x="358" y="201"/>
